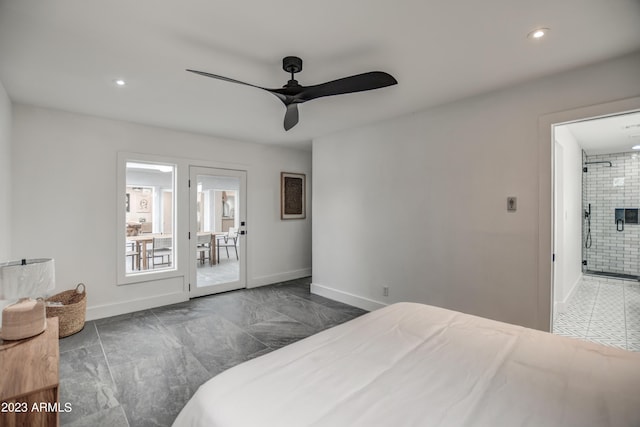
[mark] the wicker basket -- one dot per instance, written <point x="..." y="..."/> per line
<point x="72" y="312"/>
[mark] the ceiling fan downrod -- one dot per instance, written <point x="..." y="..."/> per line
<point x="293" y="65"/>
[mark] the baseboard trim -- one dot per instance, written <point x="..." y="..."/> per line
<point x="561" y="306"/>
<point x="118" y="308"/>
<point x="115" y="309"/>
<point x="346" y="297"/>
<point x="277" y="278"/>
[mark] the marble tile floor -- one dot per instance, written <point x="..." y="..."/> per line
<point x="140" y="369"/>
<point x="604" y="310"/>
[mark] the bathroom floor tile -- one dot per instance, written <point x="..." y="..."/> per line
<point x="603" y="310"/>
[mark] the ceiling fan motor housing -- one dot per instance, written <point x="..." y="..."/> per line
<point x="292" y="64"/>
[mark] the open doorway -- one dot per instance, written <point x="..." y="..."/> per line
<point x="596" y="291"/>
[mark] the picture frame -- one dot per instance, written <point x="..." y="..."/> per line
<point x="144" y="203"/>
<point x="293" y="202"/>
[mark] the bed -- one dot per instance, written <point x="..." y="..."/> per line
<point x="416" y="365"/>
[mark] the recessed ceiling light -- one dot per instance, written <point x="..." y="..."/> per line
<point x="120" y="82"/>
<point x="538" y="33"/>
<point x="636" y="147"/>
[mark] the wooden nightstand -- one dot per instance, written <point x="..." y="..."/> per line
<point x="29" y="379"/>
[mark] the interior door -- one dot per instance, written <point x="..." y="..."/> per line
<point x="217" y="237"/>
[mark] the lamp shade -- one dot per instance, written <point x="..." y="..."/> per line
<point x="26" y="278"/>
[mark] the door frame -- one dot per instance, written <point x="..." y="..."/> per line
<point x="546" y="223"/>
<point x="558" y="221"/>
<point x="193" y="289"/>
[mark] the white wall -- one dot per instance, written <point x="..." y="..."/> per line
<point x="418" y="203"/>
<point x="5" y="175"/>
<point x="64" y="198"/>
<point x="571" y="257"/>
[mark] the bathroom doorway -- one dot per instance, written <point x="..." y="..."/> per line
<point x="597" y="229"/>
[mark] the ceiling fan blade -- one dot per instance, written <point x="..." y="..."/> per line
<point x="280" y="96"/>
<point x="291" y="116"/>
<point x="226" y="79"/>
<point x="357" y="83"/>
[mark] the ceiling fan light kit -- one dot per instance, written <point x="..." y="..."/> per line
<point x="293" y="93"/>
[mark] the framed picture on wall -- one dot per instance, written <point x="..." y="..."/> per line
<point x="292" y="195"/>
<point x="144" y="203"/>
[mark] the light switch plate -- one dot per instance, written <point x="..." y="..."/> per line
<point x="512" y="204"/>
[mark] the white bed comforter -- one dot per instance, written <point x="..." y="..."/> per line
<point x="416" y="365"/>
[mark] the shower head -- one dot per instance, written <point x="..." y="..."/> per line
<point x="584" y="169"/>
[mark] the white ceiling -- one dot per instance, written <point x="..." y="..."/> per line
<point x="66" y="54"/>
<point x="614" y="134"/>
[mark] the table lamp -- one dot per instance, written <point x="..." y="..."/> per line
<point x="21" y="282"/>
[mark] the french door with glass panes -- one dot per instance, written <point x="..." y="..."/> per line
<point x="217" y="237"/>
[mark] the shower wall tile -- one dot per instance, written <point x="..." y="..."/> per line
<point x="607" y="188"/>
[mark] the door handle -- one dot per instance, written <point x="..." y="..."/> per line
<point x="619" y="225"/>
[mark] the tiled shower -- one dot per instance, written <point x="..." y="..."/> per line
<point x="611" y="227"/>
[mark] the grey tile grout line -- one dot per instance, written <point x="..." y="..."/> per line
<point x="125" y="415"/>
<point x="156" y="316"/>
<point x="265" y="344"/>
<point x="173" y="336"/>
<point x="242" y="328"/>
<point x="303" y="299"/>
<point x="106" y="359"/>
<point x="228" y="320"/>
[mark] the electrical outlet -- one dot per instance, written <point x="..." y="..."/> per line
<point x="385" y="291"/>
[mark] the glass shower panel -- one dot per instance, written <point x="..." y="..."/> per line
<point x="611" y="198"/>
<point x="632" y="228"/>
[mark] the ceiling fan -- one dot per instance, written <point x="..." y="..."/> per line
<point x="293" y="93"/>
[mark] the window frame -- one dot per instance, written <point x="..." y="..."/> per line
<point x="176" y="269"/>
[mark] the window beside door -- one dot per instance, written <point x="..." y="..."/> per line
<point x="149" y="212"/>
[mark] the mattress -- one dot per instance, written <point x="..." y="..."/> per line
<point x="416" y="365"/>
